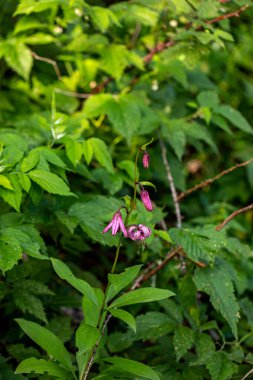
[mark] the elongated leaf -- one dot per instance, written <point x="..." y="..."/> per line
<point x="133" y="367"/>
<point x="120" y="281"/>
<point x="48" y="341"/>
<point x="235" y="117"/>
<point x="140" y="296"/>
<point x="5" y="182"/>
<point x="125" y="317"/>
<point x="65" y="273"/>
<point x="86" y="337"/>
<point x="41" y="366"/>
<point x="50" y="182"/>
<point x="217" y="283"/>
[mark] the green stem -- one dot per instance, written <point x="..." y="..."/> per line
<point x="104" y="312"/>
<point x="116" y="255"/>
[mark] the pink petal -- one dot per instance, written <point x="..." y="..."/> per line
<point x="108" y="227"/>
<point x="115" y="224"/>
<point x="145" y="230"/>
<point x="122" y="226"/>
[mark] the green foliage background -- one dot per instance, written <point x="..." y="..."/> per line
<point x="80" y="92"/>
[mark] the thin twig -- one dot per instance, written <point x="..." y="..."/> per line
<point x="171" y="183"/>
<point x="85" y="375"/>
<point x="233" y="215"/>
<point x="152" y="272"/>
<point x="159" y="47"/>
<point x="71" y="93"/>
<point x="49" y="61"/>
<point x="247" y="374"/>
<point x="211" y="180"/>
<point x="228" y="15"/>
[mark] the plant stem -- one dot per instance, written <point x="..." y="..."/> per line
<point x="103" y="318"/>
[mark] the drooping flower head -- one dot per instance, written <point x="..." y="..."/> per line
<point x="138" y="232"/>
<point x="145" y="159"/>
<point x="116" y="224"/>
<point x="146" y="199"/>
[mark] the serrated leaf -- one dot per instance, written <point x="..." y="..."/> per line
<point x="153" y="325"/>
<point x="10" y="251"/>
<point x="12" y="197"/>
<point x="235" y="117"/>
<point x="29" y="303"/>
<point x="48" y="341"/>
<point x="93" y="215"/>
<point x="140" y="296"/>
<point x="125" y="317"/>
<point x="50" y="182"/>
<point x="41" y="366"/>
<point x="120" y="281"/>
<point x="199" y="244"/>
<point x="216" y="282"/>
<point x="101" y="153"/>
<point x="133" y="367"/>
<point x="19" y="58"/>
<point x="183" y="340"/>
<point x="219" y="366"/>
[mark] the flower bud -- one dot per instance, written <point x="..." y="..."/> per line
<point x="146" y="200"/>
<point x="145" y="159"/>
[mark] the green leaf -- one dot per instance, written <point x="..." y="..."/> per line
<point x="140" y="296"/>
<point x="87" y="151"/>
<point x="82" y="286"/>
<point x="93" y="215"/>
<point x="147" y="183"/>
<point x="50" y="182"/>
<point x="208" y="99"/>
<point x="116" y="58"/>
<point x="10" y="252"/>
<point x="199" y="244"/>
<point x="19" y="57"/>
<point x="74" y="151"/>
<point x="208" y="9"/>
<point x="27" y="7"/>
<point x="183" y="340"/>
<point x="30" y="161"/>
<point x="12" y="197"/>
<point x="132" y="367"/>
<point x="123" y="111"/>
<point x="86" y="337"/>
<point x="153" y="325"/>
<point x="48" y="341"/>
<point x="120" y="281"/>
<point x="41" y="366"/>
<point x="235" y="117"/>
<point x="125" y="317"/>
<point x="164" y="235"/>
<point x="5" y="182"/>
<point x="216" y="282"/>
<point x="91" y="310"/>
<point x="101" y="153"/>
<point x="220" y="367"/>
<point x="102" y="17"/>
<point x="39" y="39"/>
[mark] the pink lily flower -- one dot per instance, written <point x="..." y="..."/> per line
<point x="116" y="224"/>
<point x="146" y="200"/>
<point x="138" y="232"/>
